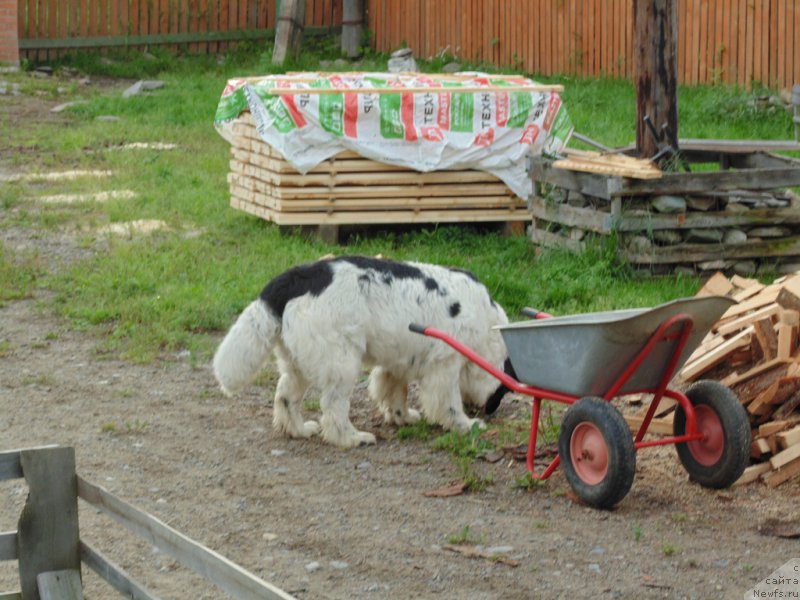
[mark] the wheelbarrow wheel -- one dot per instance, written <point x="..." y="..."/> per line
<point x="597" y="452"/>
<point x="719" y="459"/>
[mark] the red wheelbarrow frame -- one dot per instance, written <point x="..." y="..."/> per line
<point x="674" y="330"/>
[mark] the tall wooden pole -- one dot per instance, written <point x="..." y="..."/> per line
<point x="289" y="31"/>
<point x="655" y="41"/>
<point x="352" y="25"/>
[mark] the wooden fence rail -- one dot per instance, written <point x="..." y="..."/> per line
<point x="47" y="542"/>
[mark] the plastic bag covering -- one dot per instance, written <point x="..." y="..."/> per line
<point x="445" y="128"/>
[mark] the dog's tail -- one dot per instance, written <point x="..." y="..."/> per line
<point x="245" y="349"/>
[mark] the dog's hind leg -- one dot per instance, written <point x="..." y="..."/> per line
<point x="391" y="395"/>
<point x="289" y="392"/>
<point x="440" y="397"/>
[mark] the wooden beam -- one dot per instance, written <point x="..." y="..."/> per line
<point x="352" y="27"/>
<point x="8" y="545"/>
<point x="60" y="585"/>
<point x="114" y="575"/>
<point x="48" y="526"/>
<point x="753" y="472"/>
<point x="656" y="56"/>
<point x="289" y="32"/>
<point x="229" y="576"/>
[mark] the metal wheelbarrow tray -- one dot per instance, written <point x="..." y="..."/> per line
<point x="587" y="360"/>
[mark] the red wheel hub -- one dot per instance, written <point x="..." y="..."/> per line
<point x="708" y="450"/>
<point x="589" y="453"/>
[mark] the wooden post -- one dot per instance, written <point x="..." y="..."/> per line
<point x="289" y="32"/>
<point x="352" y="25"/>
<point x="47" y="533"/>
<point x="655" y="42"/>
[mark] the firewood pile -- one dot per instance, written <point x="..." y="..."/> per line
<point x="753" y="350"/>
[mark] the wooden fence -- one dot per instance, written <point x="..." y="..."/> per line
<point x="730" y="41"/>
<point x="49" y="550"/>
<point x="48" y="28"/>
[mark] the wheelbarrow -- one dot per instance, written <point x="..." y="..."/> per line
<point x="587" y="360"/>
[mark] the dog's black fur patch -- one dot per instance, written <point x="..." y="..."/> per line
<point x="494" y="400"/>
<point x="311" y="278"/>
<point x="314" y="278"/>
<point x="455" y="309"/>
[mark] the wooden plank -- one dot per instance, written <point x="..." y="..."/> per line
<point x="789" y="438"/>
<point x="759" y="448"/>
<point x="716" y="285"/>
<point x="693" y="370"/>
<point x="114" y="575"/>
<point x="228" y="576"/>
<point x="9" y="465"/>
<point x="743" y="321"/>
<point x="8" y="545"/>
<point x="663" y="426"/>
<point x="60" y="585"/>
<point x="786" y="456"/>
<point x="767" y="296"/>
<point x="483" y="215"/>
<point x="345" y="203"/>
<point x="736" y="378"/>
<point x="413" y="179"/>
<point x="48" y="526"/>
<point x="787" y="472"/>
<point x="753" y="472"/>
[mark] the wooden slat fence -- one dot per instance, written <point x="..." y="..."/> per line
<point x="720" y="41"/>
<point x="47" y="541"/>
<point x="47" y="28"/>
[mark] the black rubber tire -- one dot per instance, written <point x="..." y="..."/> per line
<point x="621" y="454"/>
<point x="736" y="436"/>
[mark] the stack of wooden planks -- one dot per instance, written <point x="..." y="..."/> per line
<point x="753" y="350"/>
<point x="349" y="189"/>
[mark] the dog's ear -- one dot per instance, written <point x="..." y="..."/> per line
<point x="493" y="402"/>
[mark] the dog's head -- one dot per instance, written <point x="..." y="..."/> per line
<point x="493" y="401"/>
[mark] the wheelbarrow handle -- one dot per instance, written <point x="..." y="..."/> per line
<point x="417" y="328"/>
<point x="534" y="313"/>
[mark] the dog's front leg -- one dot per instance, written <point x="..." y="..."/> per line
<point x="391" y="395"/>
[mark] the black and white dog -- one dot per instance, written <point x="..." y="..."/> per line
<point x="326" y="320"/>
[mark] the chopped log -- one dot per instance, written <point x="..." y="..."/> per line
<point x="759" y="448"/>
<point x="736" y="378"/>
<point x="730" y="326"/>
<point x="785" y="457"/>
<point x="777" y="393"/>
<point x="787" y="407"/>
<point x="787" y="472"/>
<point x="747" y="292"/>
<point x="789" y="295"/>
<point x="691" y="371"/>
<point x="789" y="438"/>
<point x="744" y="282"/>
<point x="772" y="427"/>
<point x="767" y="340"/>
<point x="717" y="285"/>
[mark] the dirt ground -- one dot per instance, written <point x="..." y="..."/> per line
<point x="324" y="523"/>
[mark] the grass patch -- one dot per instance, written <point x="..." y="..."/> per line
<point x="421" y="430"/>
<point x="464" y="445"/>
<point x="178" y="290"/>
<point x="18" y="275"/>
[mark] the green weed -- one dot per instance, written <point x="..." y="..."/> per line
<point x="421" y="430"/>
<point x="464" y="445"/>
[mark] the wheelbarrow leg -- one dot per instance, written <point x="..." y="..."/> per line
<point x="537" y="406"/>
